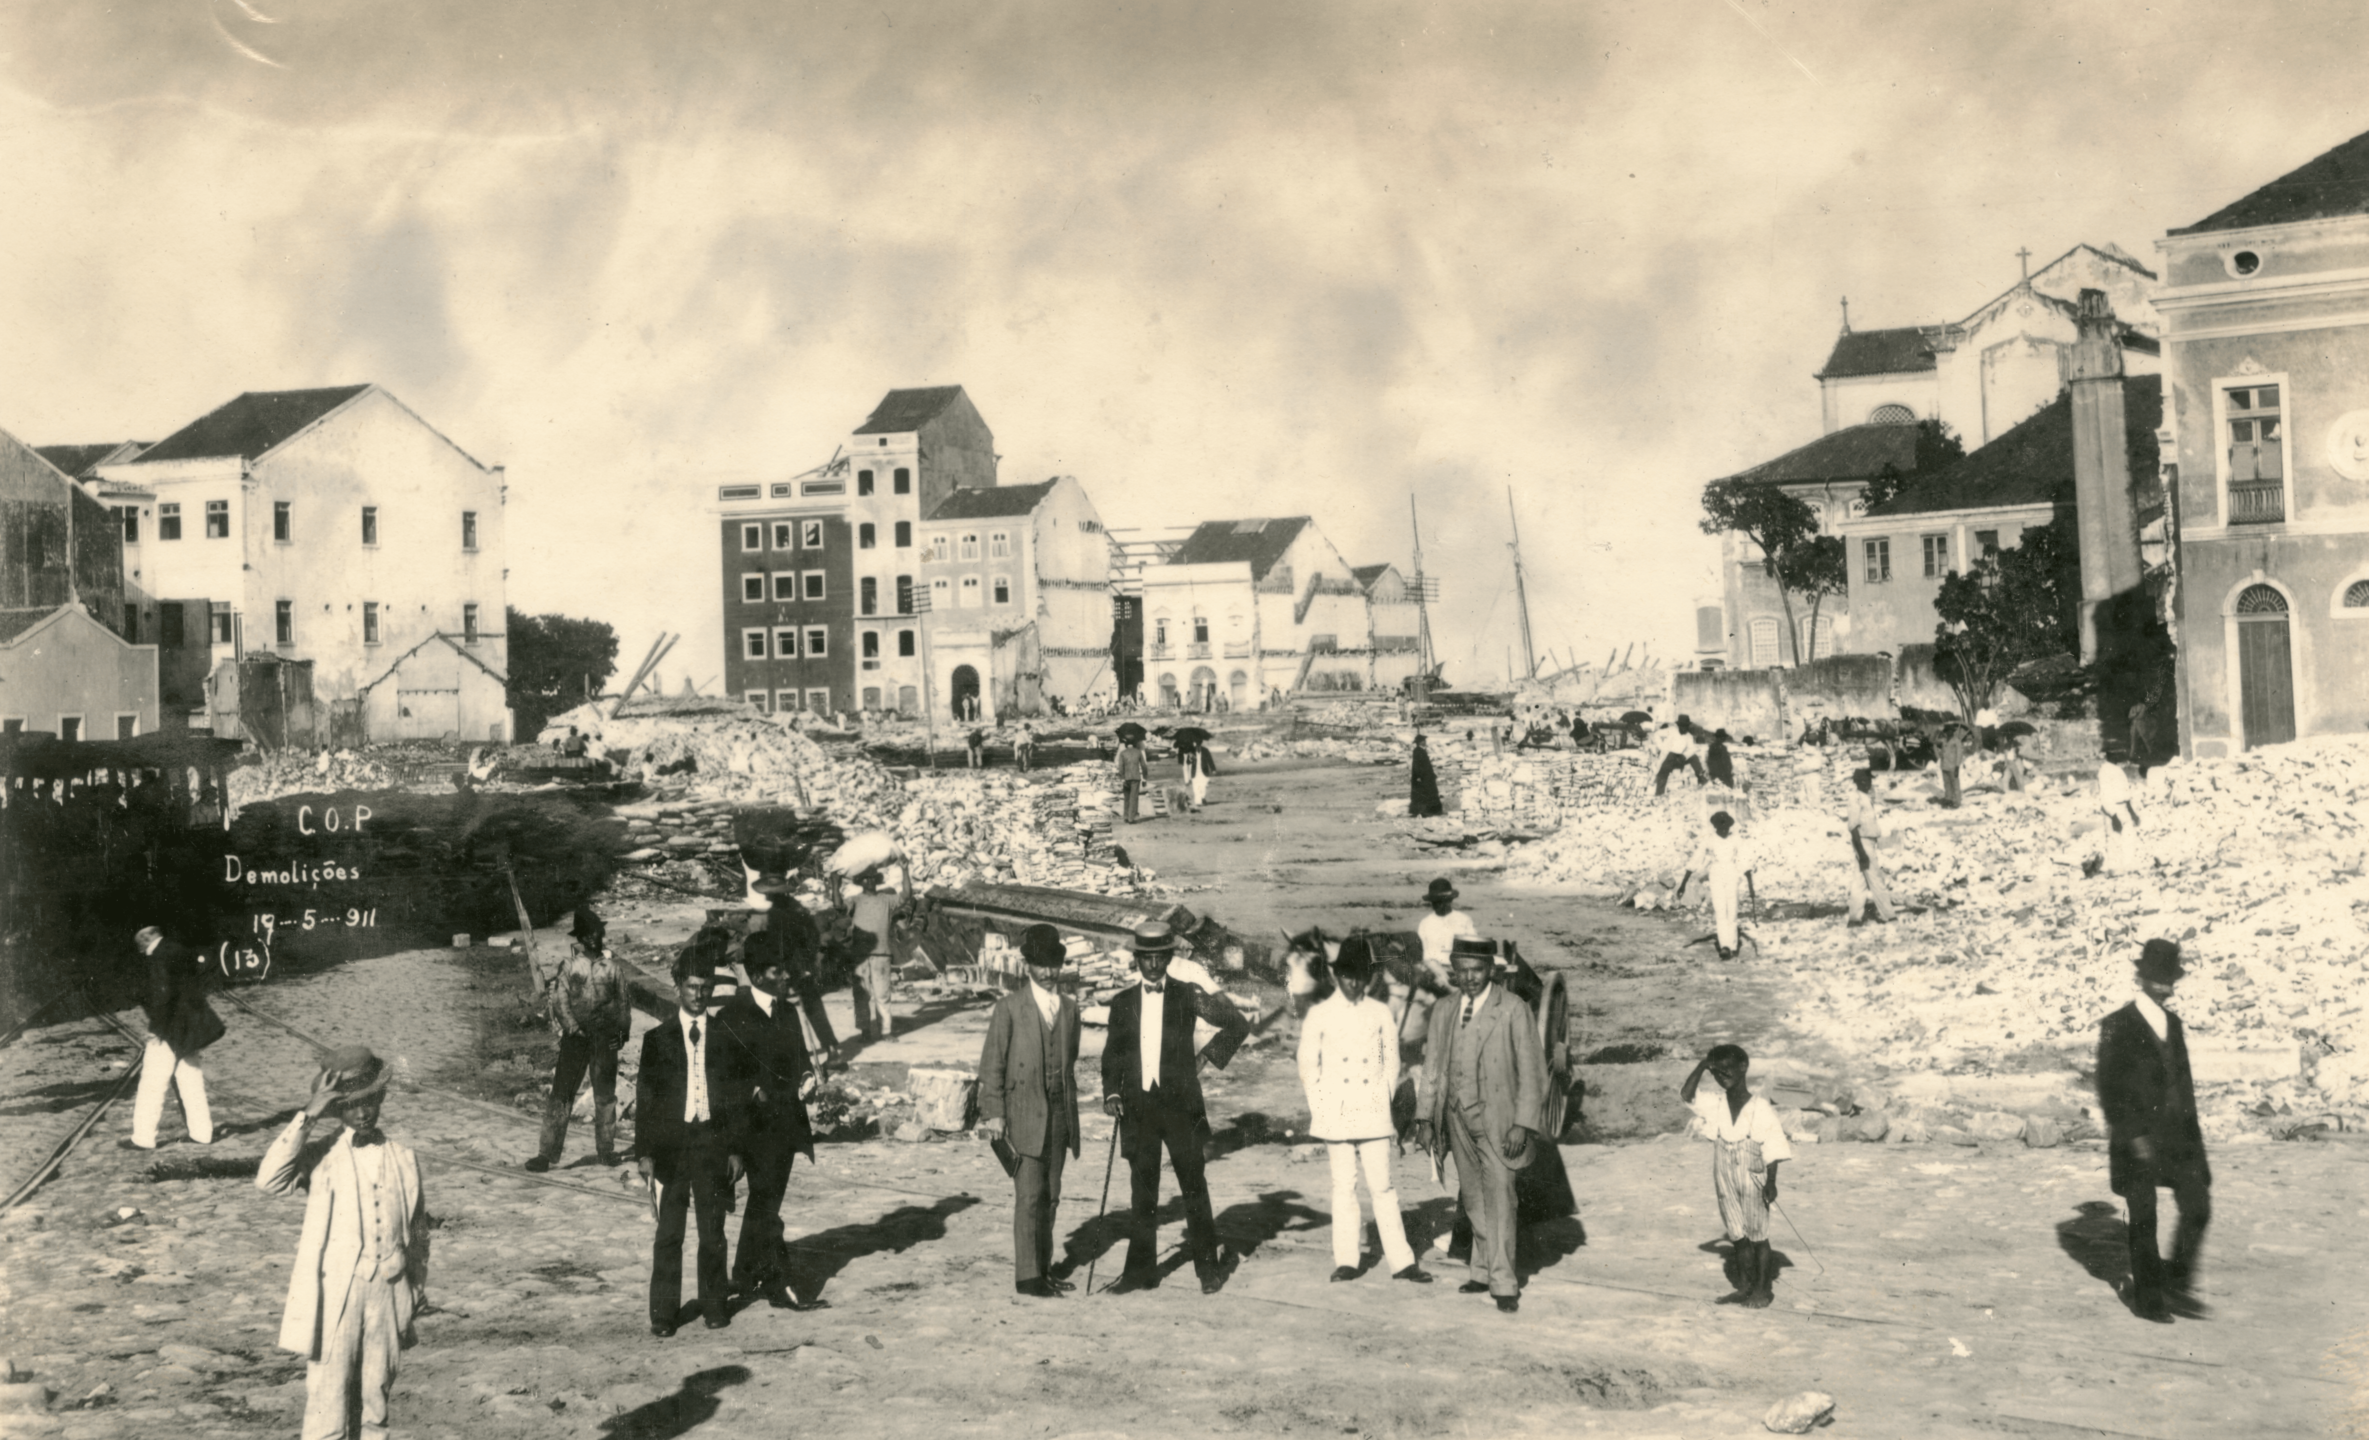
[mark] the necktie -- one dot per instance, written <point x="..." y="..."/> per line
<point x="1468" y="1003"/>
<point x="694" y="1033"/>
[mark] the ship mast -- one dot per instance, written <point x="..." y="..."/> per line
<point x="1521" y="591"/>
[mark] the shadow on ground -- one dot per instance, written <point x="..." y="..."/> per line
<point x="815" y="1259"/>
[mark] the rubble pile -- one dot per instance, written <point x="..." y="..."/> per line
<point x="2005" y="954"/>
<point x="384" y="767"/>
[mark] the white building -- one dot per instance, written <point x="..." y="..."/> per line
<point x="334" y="527"/>
<point x="1018" y="578"/>
<point x="1246" y="609"/>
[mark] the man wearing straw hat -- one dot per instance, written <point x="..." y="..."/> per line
<point x="1028" y="1097"/>
<point x="361" y="1268"/>
<point x="593" y="1015"/>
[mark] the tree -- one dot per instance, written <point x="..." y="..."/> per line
<point x="1780" y="524"/>
<point x="1816" y="570"/>
<point x="1937" y="445"/>
<point x="556" y="662"/>
<point x="2017" y="606"/>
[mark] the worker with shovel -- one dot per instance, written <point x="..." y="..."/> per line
<point x="1724" y="862"/>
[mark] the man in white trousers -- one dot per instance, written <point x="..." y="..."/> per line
<point x="1349" y="1064"/>
<point x="180" y="1024"/>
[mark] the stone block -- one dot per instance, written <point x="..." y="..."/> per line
<point x="942" y="1098"/>
<point x="24" y="1397"/>
<point x="1799" y="1414"/>
<point x="1868" y="1125"/>
<point x="2041" y="1133"/>
<point x="1996" y="1125"/>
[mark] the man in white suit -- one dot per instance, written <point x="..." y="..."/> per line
<point x="361" y="1267"/>
<point x="1349" y="1064"/>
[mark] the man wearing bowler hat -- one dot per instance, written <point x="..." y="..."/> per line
<point x="2149" y="1100"/>
<point x="361" y="1269"/>
<point x="1028" y="1097"/>
<point x="1483" y="1097"/>
<point x="1151" y="1084"/>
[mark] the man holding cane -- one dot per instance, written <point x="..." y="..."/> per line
<point x="1028" y="1099"/>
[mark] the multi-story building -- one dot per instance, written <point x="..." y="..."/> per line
<point x="66" y="666"/>
<point x="1248" y="609"/>
<point x="789" y="595"/>
<point x="336" y="531"/>
<point x="1019" y="611"/>
<point x="2266" y="303"/>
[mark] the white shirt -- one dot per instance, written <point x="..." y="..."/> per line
<point x="1147" y="1043"/>
<point x="2113" y="786"/>
<point x="695" y="1090"/>
<point x="1757" y="1122"/>
<point x="2152" y="1013"/>
<point x="1048" y="1004"/>
<point x="764" y="1001"/>
<point x="1438" y="934"/>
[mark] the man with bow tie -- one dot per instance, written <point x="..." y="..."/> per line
<point x="361" y="1270"/>
<point x="690" y="1107"/>
<point x="1483" y="1095"/>
<point x="2148" y="1096"/>
<point x="1151" y="1084"/>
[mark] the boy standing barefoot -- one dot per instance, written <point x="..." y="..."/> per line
<point x="1747" y="1145"/>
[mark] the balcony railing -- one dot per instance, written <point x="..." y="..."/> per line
<point x="1161" y="652"/>
<point x="2257" y="502"/>
<point x="1198" y="650"/>
<point x="1237" y="649"/>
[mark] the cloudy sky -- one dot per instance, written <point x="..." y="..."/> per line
<point x="1215" y="260"/>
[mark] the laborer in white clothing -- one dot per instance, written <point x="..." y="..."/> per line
<point x="1723" y="860"/>
<point x="1439" y="932"/>
<point x="1349" y="1064"/>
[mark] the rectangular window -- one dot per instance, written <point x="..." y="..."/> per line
<point x="814" y="584"/>
<point x="1878" y="554"/>
<point x="469" y="624"/>
<point x="904" y="594"/>
<point x="810" y="535"/>
<point x="283" y="622"/>
<point x="1003" y="590"/>
<point x="785" y="643"/>
<point x="1986" y="544"/>
<point x="782" y="531"/>
<point x="279" y="521"/>
<point x="866" y="536"/>
<point x="1936" y="556"/>
<point x="868" y="596"/>
<point x="13" y="725"/>
<point x="904" y="643"/>
<point x="789" y="702"/>
<point x="370" y="622"/>
<point x="172" y="626"/>
<point x="738" y="492"/>
<point x="756" y="697"/>
<point x="2257" y="454"/>
<point x="870" y="643"/>
<point x="220" y="620"/>
<point x="1200" y="629"/>
<point x="815" y="487"/>
<point x="69" y="727"/>
<point x="752" y="589"/>
<point x="131" y="624"/>
<point x="217" y="519"/>
<point x="370" y="524"/>
<point x="168" y="521"/>
<point x="130" y="515"/>
<point x="904" y="481"/>
<point x="863" y="482"/>
<point x="936" y="549"/>
<point x="752" y="644"/>
<point x="752" y="538"/>
<point x="999" y="546"/>
<point x="785" y="585"/>
<point x="941" y="596"/>
<point x="904" y="534"/>
<point x="970" y="547"/>
<point x="970" y="592"/>
<point x="818" y="642"/>
<point x="468" y="529"/>
<point x="819" y="701"/>
<point x="126" y="726"/>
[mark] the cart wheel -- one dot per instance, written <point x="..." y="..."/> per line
<point x="1554" y="1035"/>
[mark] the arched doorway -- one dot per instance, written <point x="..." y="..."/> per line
<point x="1167" y="690"/>
<point x="965" y="688"/>
<point x="2265" y="667"/>
<point x="1237" y="689"/>
<point x="1204" y="688"/>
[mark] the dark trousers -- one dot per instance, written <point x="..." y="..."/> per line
<point x="1949" y="787"/>
<point x="1671" y="764"/>
<point x="762" y="1259"/>
<point x="2148" y="1273"/>
<point x="696" y="1177"/>
<point x="580" y="1055"/>
<point x="1150" y="1126"/>
<point x="1134" y="795"/>
<point x="1036" y="1195"/>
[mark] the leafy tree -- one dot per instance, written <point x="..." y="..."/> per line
<point x="1782" y="525"/>
<point x="1937" y="445"/>
<point x="1815" y="570"/>
<point x="555" y="663"/>
<point x="2006" y="610"/>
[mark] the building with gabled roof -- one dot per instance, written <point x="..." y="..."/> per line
<point x="2266" y="364"/>
<point x="1249" y="609"/>
<point x="331" y="529"/>
<point x="1019" y="610"/>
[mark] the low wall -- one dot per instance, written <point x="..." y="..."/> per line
<point x="1918" y="686"/>
<point x="1741" y="702"/>
<point x="1857" y="687"/>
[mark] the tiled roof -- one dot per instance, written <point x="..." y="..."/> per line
<point x="996" y="502"/>
<point x="1856" y="452"/>
<point x="1368" y="574"/>
<point x="1261" y="542"/>
<point x="902" y="410"/>
<point x="2032" y="464"/>
<point x="250" y="425"/>
<point x="1878" y="352"/>
<point x="2336" y="183"/>
<point x="77" y="459"/>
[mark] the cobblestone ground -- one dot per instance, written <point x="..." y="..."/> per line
<point x="1935" y="1291"/>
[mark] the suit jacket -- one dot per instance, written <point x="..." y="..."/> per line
<point x="1510" y="1065"/>
<point x="330" y="1247"/>
<point x="2144" y="1088"/>
<point x="1180" y="1071"/>
<point x="659" y="1090"/>
<point x="176" y="1001"/>
<point x="776" y="1049"/>
<point x="1014" y="1085"/>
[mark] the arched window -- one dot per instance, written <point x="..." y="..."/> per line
<point x="1764" y="631"/>
<point x="1892" y="415"/>
<point x="2261" y="600"/>
<point x="2356" y="595"/>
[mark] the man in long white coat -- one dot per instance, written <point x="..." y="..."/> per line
<point x="361" y="1267"/>
<point x="1349" y="1064"/>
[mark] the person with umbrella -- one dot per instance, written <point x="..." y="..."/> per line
<point x="1192" y="750"/>
<point x="1132" y="768"/>
<point x="1423" y="783"/>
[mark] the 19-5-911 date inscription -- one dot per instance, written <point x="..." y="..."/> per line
<point x="267" y="924"/>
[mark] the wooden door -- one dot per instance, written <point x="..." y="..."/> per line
<point x="2265" y="668"/>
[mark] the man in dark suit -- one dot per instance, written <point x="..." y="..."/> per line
<point x="2149" y="1100"/>
<point x="1028" y="1096"/>
<point x="690" y="1104"/>
<point x="1483" y="1096"/>
<point x="764" y="1022"/>
<point x="1151" y="1084"/>
<point x="180" y="1025"/>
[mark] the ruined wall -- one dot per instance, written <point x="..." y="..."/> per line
<point x="1842" y="686"/>
<point x="1741" y="702"/>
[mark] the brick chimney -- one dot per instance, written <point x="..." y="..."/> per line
<point x="2109" y="533"/>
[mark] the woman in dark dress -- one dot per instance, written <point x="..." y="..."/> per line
<point x="1423" y="791"/>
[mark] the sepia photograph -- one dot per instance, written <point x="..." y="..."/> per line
<point x="1664" y="708"/>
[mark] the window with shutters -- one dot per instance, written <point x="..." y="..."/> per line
<point x="1936" y="549"/>
<point x="280" y="521"/>
<point x="970" y="547"/>
<point x="370" y="622"/>
<point x="1764" y="631"/>
<point x="468" y="529"/>
<point x="217" y="519"/>
<point x="1877" y="555"/>
<point x="468" y="624"/>
<point x="999" y="546"/>
<point x="168" y="521"/>
<point x="868" y="595"/>
<point x="2254" y="451"/>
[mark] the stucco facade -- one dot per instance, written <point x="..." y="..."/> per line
<point x="2268" y="388"/>
<point x="1202" y="627"/>
<point x="67" y="675"/>
<point x="1891" y="610"/>
<point x="1020" y="603"/>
